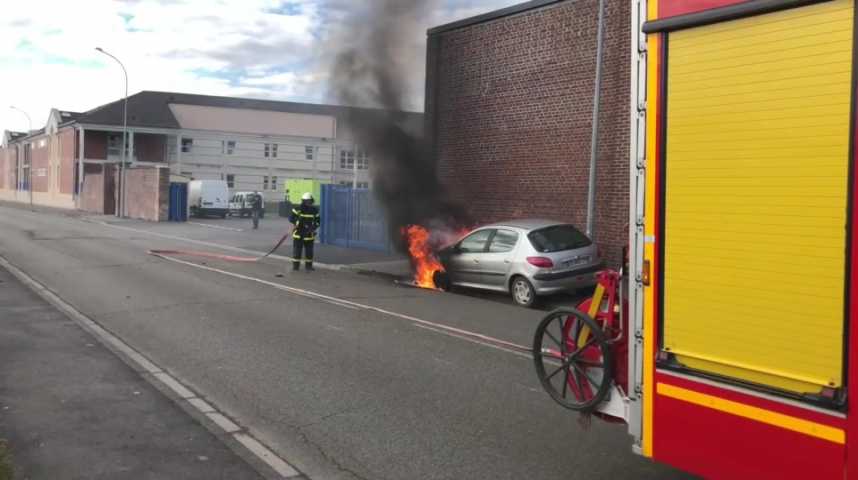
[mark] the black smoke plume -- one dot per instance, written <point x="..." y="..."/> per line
<point x="376" y="59"/>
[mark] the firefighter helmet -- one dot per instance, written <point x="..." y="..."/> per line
<point x="307" y="196"/>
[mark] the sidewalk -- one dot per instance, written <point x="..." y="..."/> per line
<point x="71" y="409"/>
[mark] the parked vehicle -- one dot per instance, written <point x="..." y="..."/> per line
<point x="241" y="204"/>
<point x="208" y="198"/>
<point x="525" y="258"/>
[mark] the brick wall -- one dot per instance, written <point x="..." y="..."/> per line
<point x="509" y="105"/>
<point x="40" y="157"/>
<point x="149" y="147"/>
<point x="148" y="193"/>
<point x="4" y="168"/>
<point x="92" y="197"/>
<point x="95" y="145"/>
<point x="67" y="143"/>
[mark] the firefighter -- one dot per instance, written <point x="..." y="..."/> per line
<point x="306" y="219"/>
<point x="256" y="209"/>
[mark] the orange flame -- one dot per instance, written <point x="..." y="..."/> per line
<point x="424" y="260"/>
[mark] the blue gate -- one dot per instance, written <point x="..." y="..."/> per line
<point x="178" y="202"/>
<point x="353" y="218"/>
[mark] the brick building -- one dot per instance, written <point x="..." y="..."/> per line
<point x="250" y="144"/>
<point x="509" y="101"/>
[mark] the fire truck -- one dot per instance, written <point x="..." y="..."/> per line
<point x="729" y="346"/>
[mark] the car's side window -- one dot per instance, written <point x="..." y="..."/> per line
<point x="504" y="241"/>
<point x="475" y="242"/>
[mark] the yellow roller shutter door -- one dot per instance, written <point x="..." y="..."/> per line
<point x="757" y="160"/>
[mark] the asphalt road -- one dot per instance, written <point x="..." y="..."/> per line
<point x="340" y="391"/>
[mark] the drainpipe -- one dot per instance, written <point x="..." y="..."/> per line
<point x="594" y="141"/>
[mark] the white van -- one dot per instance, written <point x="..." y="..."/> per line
<point x="241" y="204"/>
<point x="208" y="198"/>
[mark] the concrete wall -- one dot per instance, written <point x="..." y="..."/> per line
<point x="509" y="104"/>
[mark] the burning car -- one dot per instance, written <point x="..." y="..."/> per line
<point x="524" y="258"/>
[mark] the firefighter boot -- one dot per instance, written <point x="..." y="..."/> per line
<point x="309" y="267"/>
<point x="296" y="266"/>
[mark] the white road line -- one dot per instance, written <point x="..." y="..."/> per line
<point x="134" y="358"/>
<point x="453" y="331"/>
<point x="216" y="227"/>
<point x="323" y="266"/>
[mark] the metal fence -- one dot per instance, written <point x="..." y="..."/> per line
<point x="353" y="218"/>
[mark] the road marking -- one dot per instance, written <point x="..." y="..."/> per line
<point x="452" y="331"/>
<point x="139" y="361"/>
<point x="217" y="227"/>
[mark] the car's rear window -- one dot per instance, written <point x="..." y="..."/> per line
<point x="558" y="238"/>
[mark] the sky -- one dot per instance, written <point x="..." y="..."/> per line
<point x="271" y="49"/>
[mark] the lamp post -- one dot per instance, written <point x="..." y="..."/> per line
<point x="120" y="212"/>
<point x="30" y="172"/>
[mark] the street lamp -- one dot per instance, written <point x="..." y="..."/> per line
<point x="120" y="212"/>
<point x="30" y="172"/>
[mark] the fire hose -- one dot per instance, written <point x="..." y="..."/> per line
<point x="217" y="256"/>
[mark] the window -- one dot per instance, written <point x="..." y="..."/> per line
<point x="364" y="185"/>
<point x="558" y="238"/>
<point x="503" y="242"/>
<point x="270" y="150"/>
<point x="265" y="182"/>
<point x="308" y="152"/>
<point x="274" y="183"/>
<point x="347" y="159"/>
<point x="363" y="160"/>
<point x="187" y="145"/>
<point x="227" y="147"/>
<point x="114" y="145"/>
<point x="230" y="181"/>
<point x="475" y="242"/>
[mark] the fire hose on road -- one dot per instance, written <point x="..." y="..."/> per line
<point x="217" y="256"/>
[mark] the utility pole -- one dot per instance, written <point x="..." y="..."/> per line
<point x="30" y="172"/>
<point x="594" y="141"/>
<point x="120" y="212"/>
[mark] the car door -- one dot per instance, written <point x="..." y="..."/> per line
<point x="464" y="264"/>
<point x="497" y="261"/>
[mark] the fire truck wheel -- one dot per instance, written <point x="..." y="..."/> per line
<point x="574" y="360"/>
<point x="523" y="293"/>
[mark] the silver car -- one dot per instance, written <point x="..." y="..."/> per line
<point x="525" y="258"/>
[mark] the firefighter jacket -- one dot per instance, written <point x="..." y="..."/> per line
<point x="307" y="220"/>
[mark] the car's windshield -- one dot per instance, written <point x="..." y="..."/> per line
<point x="558" y="238"/>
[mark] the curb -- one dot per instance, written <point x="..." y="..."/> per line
<point x="237" y="438"/>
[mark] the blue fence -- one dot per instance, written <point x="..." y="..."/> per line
<point x="178" y="202"/>
<point x="353" y="218"/>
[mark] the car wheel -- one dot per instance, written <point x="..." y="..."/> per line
<point x="442" y="281"/>
<point x="522" y="292"/>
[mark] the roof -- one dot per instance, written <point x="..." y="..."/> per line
<point x="66" y="116"/>
<point x="527" y="223"/>
<point x="152" y="109"/>
<point x="497" y="14"/>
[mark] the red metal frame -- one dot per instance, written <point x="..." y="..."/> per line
<point x="672" y="9"/>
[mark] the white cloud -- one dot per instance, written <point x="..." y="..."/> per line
<point x="216" y="47"/>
